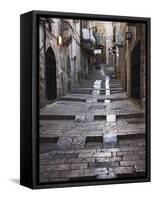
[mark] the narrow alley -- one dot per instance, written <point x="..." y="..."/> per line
<point x="93" y="132"/>
<point x="92" y="98"/>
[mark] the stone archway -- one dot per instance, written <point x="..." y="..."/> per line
<point x="50" y="75"/>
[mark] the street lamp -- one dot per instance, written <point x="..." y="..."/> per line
<point x="59" y="40"/>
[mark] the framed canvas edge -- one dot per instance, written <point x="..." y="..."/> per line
<point x="35" y="107"/>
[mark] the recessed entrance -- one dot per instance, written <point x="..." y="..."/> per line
<point x="50" y="73"/>
<point x="135" y="72"/>
<point x="69" y="73"/>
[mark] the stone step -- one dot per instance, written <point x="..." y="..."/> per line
<point x="81" y="92"/>
<point x="112" y="86"/>
<point x="130" y="135"/>
<point x="96" y="117"/>
<point x="73" y="99"/>
<point x="113" y="99"/>
<point x="57" y="117"/>
<point x="111" y="91"/>
<point x="121" y="116"/>
<point x="97" y="99"/>
<point x="130" y="115"/>
<point x="121" y="136"/>
<point x="102" y="91"/>
<point x="85" y="85"/>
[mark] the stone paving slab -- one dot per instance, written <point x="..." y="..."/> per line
<point x="118" y="96"/>
<point x="69" y="127"/>
<point x="67" y="153"/>
<point x="89" y="167"/>
<point x="96" y="87"/>
<point x="71" y="108"/>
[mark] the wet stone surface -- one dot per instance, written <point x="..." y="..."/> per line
<point x="83" y="148"/>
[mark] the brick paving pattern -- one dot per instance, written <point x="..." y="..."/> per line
<point x="92" y="134"/>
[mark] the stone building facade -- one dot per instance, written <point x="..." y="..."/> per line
<point x="101" y="38"/>
<point x="87" y="47"/>
<point x="130" y="51"/>
<point x="67" y="55"/>
<point x="60" y="67"/>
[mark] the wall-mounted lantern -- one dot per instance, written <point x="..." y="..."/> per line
<point x="128" y="35"/>
<point x="59" y="40"/>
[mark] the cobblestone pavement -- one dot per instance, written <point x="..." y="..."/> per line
<point x="94" y="132"/>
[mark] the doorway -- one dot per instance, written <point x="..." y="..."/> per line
<point x="68" y="65"/>
<point x="50" y="73"/>
<point x="135" y="72"/>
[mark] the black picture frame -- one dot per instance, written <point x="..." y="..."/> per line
<point x="29" y="98"/>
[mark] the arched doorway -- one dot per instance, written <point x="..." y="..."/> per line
<point x="135" y="72"/>
<point x="50" y="73"/>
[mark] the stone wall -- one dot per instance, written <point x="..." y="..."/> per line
<point x="67" y="55"/>
<point x="123" y="66"/>
<point x="139" y="31"/>
<point x="121" y="49"/>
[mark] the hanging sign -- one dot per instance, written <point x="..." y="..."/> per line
<point x="97" y="51"/>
